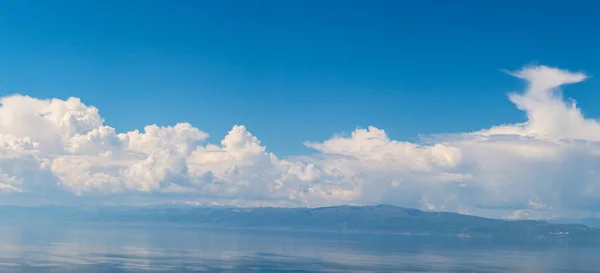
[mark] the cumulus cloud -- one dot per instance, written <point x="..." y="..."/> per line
<point x="546" y="165"/>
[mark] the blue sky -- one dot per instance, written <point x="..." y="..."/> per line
<point x="328" y="98"/>
<point x="293" y="71"/>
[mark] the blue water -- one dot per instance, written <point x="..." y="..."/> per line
<point x="77" y="248"/>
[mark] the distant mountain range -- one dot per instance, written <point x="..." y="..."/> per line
<point x="350" y="219"/>
<point x="590" y="222"/>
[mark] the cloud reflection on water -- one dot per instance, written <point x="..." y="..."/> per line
<point x="140" y="249"/>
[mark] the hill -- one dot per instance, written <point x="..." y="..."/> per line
<point x="364" y="219"/>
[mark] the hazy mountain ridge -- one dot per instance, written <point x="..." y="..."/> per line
<point x="590" y="222"/>
<point x="369" y="219"/>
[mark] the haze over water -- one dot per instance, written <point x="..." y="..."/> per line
<point x="105" y="248"/>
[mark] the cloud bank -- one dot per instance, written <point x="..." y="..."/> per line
<point x="546" y="166"/>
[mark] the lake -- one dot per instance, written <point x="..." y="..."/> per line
<point x="46" y="247"/>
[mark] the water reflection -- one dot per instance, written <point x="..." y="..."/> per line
<point x="78" y="248"/>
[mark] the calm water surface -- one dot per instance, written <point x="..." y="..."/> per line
<point x="77" y="248"/>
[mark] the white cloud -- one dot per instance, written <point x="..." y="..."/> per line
<point x="374" y="149"/>
<point x="547" y="164"/>
<point x="518" y="215"/>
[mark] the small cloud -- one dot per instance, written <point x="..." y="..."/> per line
<point x="518" y="215"/>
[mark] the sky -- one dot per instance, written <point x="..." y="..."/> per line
<point x="477" y="107"/>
